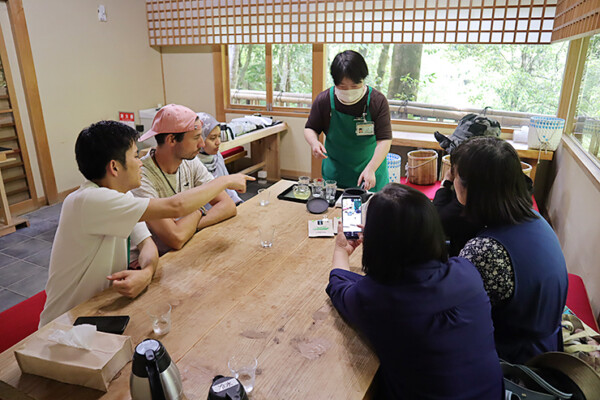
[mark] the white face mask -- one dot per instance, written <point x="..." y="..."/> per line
<point x="349" y="97"/>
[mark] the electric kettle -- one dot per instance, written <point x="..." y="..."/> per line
<point x="154" y="376"/>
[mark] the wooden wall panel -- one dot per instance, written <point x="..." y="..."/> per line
<point x="575" y="19"/>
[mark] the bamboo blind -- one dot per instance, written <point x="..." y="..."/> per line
<point x="184" y="22"/>
<point x="576" y="18"/>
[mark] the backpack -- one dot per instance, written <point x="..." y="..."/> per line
<point x="470" y="125"/>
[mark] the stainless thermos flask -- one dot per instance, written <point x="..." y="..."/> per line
<point x="154" y="376"/>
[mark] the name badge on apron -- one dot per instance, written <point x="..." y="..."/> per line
<point x="365" y="128"/>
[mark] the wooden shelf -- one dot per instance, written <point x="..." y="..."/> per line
<point x="12" y="165"/>
<point x="3" y="97"/>
<point x="7" y="111"/>
<point x="7" y="125"/>
<point x="15" y="178"/>
<point x="17" y="191"/>
<point x="8" y="139"/>
<point x="426" y="140"/>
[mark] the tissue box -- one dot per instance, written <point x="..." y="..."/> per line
<point x="93" y="368"/>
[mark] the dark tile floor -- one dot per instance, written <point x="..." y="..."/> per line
<point x="25" y="254"/>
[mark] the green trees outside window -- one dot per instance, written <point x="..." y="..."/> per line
<point x="426" y="82"/>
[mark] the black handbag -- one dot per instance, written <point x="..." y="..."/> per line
<point x="522" y="383"/>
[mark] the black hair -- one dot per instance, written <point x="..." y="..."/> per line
<point x="348" y="64"/>
<point x="161" y="137"/>
<point x="402" y="229"/>
<point x="490" y="169"/>
<point x="100" y="143"/>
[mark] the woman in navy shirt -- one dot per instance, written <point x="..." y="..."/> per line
<point x="517" y="253"/>
<point x="426" y="316"/>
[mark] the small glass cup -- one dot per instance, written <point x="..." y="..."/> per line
<point x="243" y="368"/>
<point x="263" y="197"/>
<point x="303" y="180"/>
<point x="317" y="187"/>
<point x="160" y="315"/>
<point x="266" y="234"/>
<point x="330" y="189"/>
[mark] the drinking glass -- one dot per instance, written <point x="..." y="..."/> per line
<point x="266" y="234"/>
<point x="160" y="315"/>
<point x="303" y="180"/>
<point x="243" y="368"/>
<point x="317" y="187"/>
<point x="330" y="189"/>
<point x="263" y="197"/>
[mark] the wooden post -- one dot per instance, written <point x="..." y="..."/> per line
<point x="32" y="97"/>
<point x="318" y="69"/>
<point x="220" y="93"/>
<point x="269" y="75"/>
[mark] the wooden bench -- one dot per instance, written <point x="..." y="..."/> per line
<point x="264" y="150"/>
<point x="427" y="141"/>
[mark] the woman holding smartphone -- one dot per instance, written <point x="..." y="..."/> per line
<point x="356" y="121"/>
<point x="427" y="317"/>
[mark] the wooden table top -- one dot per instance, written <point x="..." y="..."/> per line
<point x="230" y="295"/>
<point x="427" y="140"/>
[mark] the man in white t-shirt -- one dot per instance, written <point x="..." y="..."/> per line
<point x="172" y="168"/>
<point x="90" y="250"/>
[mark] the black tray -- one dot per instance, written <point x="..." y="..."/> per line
<point x="288" y="194"/>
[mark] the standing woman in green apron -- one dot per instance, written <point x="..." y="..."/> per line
<point x="356" y="121"/>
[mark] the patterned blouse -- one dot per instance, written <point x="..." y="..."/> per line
<point x="493" y="263"/>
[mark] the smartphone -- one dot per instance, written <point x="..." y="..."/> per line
<point x="351" y="216"/>
<point x="110" y="324"/>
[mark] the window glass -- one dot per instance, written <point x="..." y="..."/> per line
<point x="292" y="75"/>
<point x="587" y="122"/>
<point x="247" y="79"/>
<point x="443" y="82"/>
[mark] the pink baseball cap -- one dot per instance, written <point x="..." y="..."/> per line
<point x="172" y="118"/>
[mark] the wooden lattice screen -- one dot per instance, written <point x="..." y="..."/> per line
<point x="576" y="18"/>
<point x="184" y="22"/>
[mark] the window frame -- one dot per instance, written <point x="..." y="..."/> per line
<point x="576" y="59"/>
<point x="223" y="70"/>
<point x="571" y="84"/>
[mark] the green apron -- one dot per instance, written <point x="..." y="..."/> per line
<point x="347" y="153"/>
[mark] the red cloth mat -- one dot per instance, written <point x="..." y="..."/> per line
<point x="578" y="301"/>
<point x="429" y="190"/>
<point x="21" y="320"/>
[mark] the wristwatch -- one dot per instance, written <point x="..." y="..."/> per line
<point x="447" y="184"/>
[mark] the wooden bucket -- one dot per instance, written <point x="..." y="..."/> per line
<point x="445" y="166"/>
<point x="526" y="168"/>
<point x="421" y="168"/>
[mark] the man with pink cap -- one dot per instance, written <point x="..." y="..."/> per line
<point x="100" y="219"/>
<point x="172" y="168"/>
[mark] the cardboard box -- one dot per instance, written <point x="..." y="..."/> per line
<point x="93" y="368"/>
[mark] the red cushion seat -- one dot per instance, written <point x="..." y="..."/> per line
<point x="21" y="320"/>
<point x="578" y="301"/>
<point x="232" y="151"/>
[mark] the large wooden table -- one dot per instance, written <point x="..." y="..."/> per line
<point x="230" y="295"/>
<point x="428" y="141"/>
